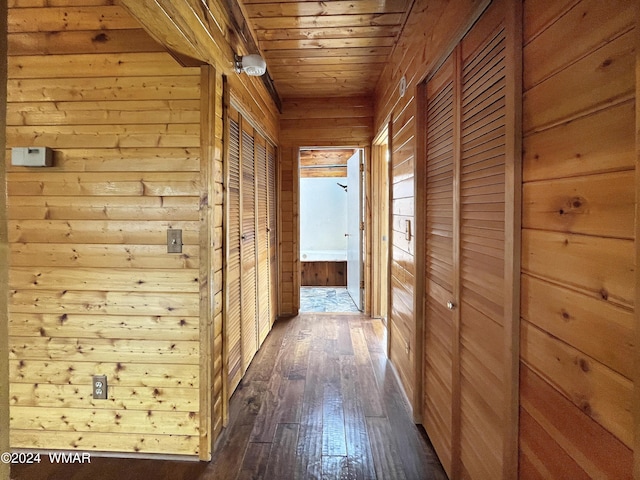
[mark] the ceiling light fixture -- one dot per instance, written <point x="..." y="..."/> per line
<point x="253" y="65"/>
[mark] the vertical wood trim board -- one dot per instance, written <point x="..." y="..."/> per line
<point x="224" y="247"/>
<point x="419" y="180"/>
<point x="207" y="379"/>
<point x="636" y="379"/>
<point x="367" y="254"/>
<point x="4" y="251"/>
<point x="379" y="229"/>
<point x="513" y="226"/>
<point x="219" y="383"/>
<point x="390" y="333"/>
<point x="578" y="285"/>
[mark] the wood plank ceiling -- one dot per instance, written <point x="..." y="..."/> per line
<point x="324" y="162"/>
<point x="332" y="48"/>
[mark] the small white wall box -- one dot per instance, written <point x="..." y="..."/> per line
<point x="32" y="156"/>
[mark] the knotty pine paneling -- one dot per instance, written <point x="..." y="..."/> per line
<point x="92" y="289"/>
<point x="578" y="279"/>
<point x="311" y="122"/>
<point x="124" y="106"/>
<point x="324" y="274"/>
<point x="289" y="298"/>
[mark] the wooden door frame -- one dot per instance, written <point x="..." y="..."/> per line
<point x="207" y="354"/>
<point x="378" y="185"/>
<point x="366" y="244"/>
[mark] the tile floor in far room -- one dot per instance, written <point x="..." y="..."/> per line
<point x="326" y="299"/>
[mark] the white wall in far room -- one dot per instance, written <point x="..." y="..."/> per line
<point x="323" y="215"/>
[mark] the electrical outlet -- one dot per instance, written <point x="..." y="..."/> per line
<point x="100" y="387"/>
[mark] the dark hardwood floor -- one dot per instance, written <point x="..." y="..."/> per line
<point x="319" y="401"/>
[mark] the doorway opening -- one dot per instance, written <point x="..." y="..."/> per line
<point x="380" y="194"/>
<point x="331" y="229"/>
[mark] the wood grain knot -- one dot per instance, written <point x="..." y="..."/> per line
<point x="584" y="365"/>
<point x="100" y="38"/>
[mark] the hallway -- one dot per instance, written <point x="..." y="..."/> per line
<point x="319" y="401"/>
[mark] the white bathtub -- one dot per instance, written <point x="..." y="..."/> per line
<point x="323" y="256"/>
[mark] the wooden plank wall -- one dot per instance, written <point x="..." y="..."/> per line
<point x="414" y="57"/>
<point x="315" y="122"/>
<point x="93" y="290"/>
<point x="578" y="280"/>
<point x="322" y="274"/>
<point x="4" y="247"/>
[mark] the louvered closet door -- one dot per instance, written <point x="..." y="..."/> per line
<point x="249" y="280"/>
<point x="439" y="324"/>
<point x="469" y="400"/>
<point x="262" y="222"/>
<point x="273" y="228"/>
<point x="482" y="261"/>
<point x="233" y="266"/>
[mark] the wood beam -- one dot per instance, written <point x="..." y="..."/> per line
<point x="162" y="28"/>
<point x="191" y="32"/>
<point x="239" y="22"/>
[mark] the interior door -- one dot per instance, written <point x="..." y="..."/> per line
<point x="468" y="392"/>
<point x="354" y="230"/>
<point x="440" y="335"/>
<point x="233" y="280"/>
<point x="262" y="238"/>
<point x="249" y="257"/>
<point x="272" y="174"/>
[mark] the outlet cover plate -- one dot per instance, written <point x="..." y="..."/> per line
<point x="100" y="387"/>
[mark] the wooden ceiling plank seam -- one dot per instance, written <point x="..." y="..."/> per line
<point x="327" y="33"/>
<point x="329" y="52"/>
<point x="328" y="21"/>
<point x="337" y="7"/>
<point x="328" y="43"/>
